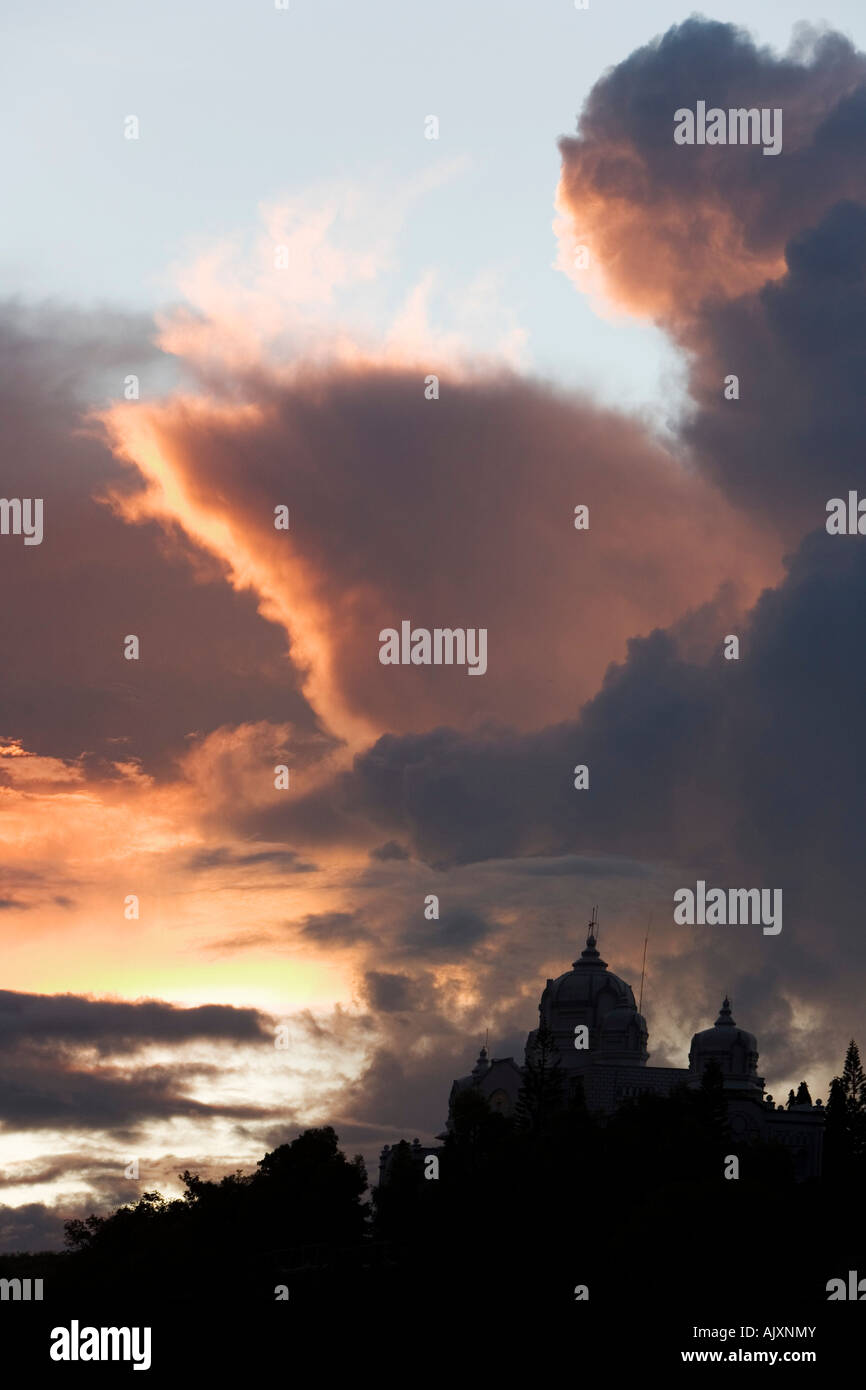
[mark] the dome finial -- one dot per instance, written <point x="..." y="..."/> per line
<point x="483" y="1064"/>
<point x="725" y="1015"/>
<point x="592" y="930"/>
<point x="589" y="955"/>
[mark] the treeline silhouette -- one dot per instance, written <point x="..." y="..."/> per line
<point x="524" y="1210"/>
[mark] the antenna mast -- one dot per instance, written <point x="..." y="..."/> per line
<point x="643" y="969"/>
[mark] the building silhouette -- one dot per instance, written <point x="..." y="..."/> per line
<point x="595" y="1009"/>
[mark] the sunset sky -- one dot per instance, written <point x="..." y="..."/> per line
<point x="304" y="386"/>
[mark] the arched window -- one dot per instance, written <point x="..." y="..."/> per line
<point x="500" y="1101"/>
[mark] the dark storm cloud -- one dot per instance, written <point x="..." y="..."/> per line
<point x="754" y="264"/>
<point x="35" y="1226"/>
<point x="390" y="850"/>
<point x="207" y="657"/>
<point x="68" y="1020"/>
<point x="718" y="213"/>
<point x="454" y="935"/>
<point x="58" y="1068"/>
<point x="334" y="929"/>
<point x="574" y="866"/>
<point x="794" y="439"/>
<point x="389" y="993"/>
<point x="463" y="797"/>
<point x="44" y="1093"/>
<point x="324" y="929"/>
<point x="49" y="1169"/>
<point x="407" y="1095"/>
<point x="220" y="857"/>
<point x="750" y="770"/>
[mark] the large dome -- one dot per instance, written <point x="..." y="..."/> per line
<point x="590" y="995"/>
<point x="733" y="1049"/>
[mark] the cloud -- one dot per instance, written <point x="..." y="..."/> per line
<point x="673" y="226"/>
<point x="218" y="464"/>
<point x="117" y="1025"/>
<point x="389" y="993"/>
<point x="754" y="265"/>
<point x="605" y="648"/>
<point x="34" y="1226"/>
<point x="664" y="731"/>
<point x="44" y="1095"/>
<point x="453" y="936"/>
<point x="207" y="658"/>
<point x="390" y="850"/>
<point x="796" y="345"/>
<point x="222" y="856"/>
<point x="334" y="929"/>
<point x="307" y="281"/>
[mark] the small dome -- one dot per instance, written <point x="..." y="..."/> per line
<point x="733" y="1049"/>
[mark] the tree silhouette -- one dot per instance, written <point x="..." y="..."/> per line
<point x="309" y="1191"/>
<point x="304" y="1193"/>
<point x="854" y="1079"/>
<point x="838" y="1147"/>
<point x="556" y="1190"/>
<point x="542" y="1090"/>
<point x="845" y="1122"/>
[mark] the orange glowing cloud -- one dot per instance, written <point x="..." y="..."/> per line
<point x="458" y="512"/>
<point x="673" y="227"/>
<point x="656" y="259"/>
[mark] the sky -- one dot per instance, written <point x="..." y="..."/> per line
<point x="240" y="310"/>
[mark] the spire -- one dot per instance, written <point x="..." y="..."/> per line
<point x="725" y="1018"/>
<point x="590" y="955"/>
<point x="592" y="930"/>
<point x="483" y="1063"/>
